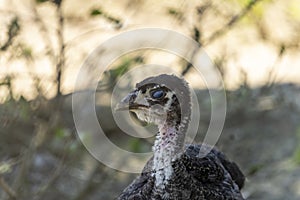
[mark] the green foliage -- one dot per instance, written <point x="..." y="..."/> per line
<point x="24" y="110"/>
<point x="99" y="12"/>
<point x="41" y="1"/>
<point x="294" y="10"/>
<point x="296" y="156"/>
<point x="135" y="145"/>
<point x="27" y="52"/>
<point x="20" y="110"/>
<point x="244" y="3"/>
<point x="60" y="133"/>
<point x="74" y="146"/>
<point x="112" y="75"/>
<point x="124" y="66"/>
<point x="5" y="168"/>
<point x="176" y="13"/>
<point x="256" y="13"/>
<point x="95" y="12"/>
<point x="255" y="168"/>
<point x="22" y="50"/>
<point x="258" y="10"/>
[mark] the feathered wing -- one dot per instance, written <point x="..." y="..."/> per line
<point x="138" y="189"/>
<point x="233" y="169"/>
<point x="141" y="187"/>
<point x="211" y="177"/>
<point x="215" y="173"/>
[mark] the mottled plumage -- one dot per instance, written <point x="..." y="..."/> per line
<point x="177" y="171"/>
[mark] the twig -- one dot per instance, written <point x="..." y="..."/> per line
<point x="55" y="175"/>
<point x="61" y="55"/>
<point x="44" y="33"/>
<point x="24" y="168"/>
<point x="196" y="37"/>
<point x="221" y="31"/>
<point x="89" y="185"/>
<point x="13" y="31"/>
<point x="6" y="188"/>
<point x="273" y="75"/>
<point x="232" y="21"/>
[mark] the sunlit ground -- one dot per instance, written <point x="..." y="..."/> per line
<point x="245" y="51"/>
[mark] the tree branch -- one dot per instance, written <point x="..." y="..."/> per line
<point x="233" y="21"/>
<point x="6" y="188"/>
<point x="61" y="55"/>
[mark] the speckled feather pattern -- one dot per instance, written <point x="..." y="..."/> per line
<point x="194" y="177"/>
<point x="177" y="171"/>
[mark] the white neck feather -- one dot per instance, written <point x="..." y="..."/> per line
<point x="167" y="148"/>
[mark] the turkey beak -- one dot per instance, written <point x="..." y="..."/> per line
<point x="127" y="102"/>
<point x="133" y="101"/>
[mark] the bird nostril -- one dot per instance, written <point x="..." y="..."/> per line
<point x="132" y="97"/>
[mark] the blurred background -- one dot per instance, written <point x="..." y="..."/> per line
<point x="255" y="44"/>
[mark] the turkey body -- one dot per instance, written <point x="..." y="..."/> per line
<point x="212" y="177"/>
<point x="177" y="171"/>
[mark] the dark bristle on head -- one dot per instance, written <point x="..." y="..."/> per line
<point x="173" y="83"/>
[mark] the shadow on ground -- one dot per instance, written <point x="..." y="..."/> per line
<point x="42" y="158"/>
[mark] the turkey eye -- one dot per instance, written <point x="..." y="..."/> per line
<point x="157" y="94"/>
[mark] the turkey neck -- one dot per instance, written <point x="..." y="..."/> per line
<point x="168" y="147"/>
